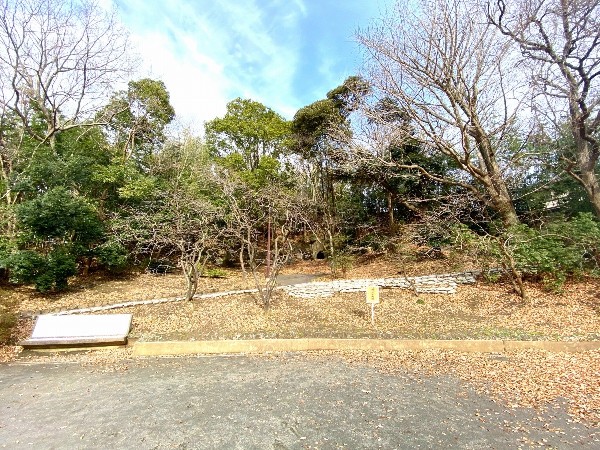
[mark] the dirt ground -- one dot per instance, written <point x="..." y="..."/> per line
<point x="481" y="311"/>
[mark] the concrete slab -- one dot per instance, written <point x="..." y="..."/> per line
<point x="52" y="330"/>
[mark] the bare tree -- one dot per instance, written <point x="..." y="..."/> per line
<point x="174" y="224"/>
<point x="57" y="60"/>
<point x="181" y="217"/>
<point x="561" y="41"/>
<point x="448" y="73"/>
<point x="251" y="213"/>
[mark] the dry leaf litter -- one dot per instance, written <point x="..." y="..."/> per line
<point x="481" y="311"/>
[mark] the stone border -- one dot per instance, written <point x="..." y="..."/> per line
<point x="429" y="284"/>
<point x="148" y="302"/>
<point x="167" y="348"/>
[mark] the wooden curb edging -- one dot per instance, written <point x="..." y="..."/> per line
<point x="167" y="348"/>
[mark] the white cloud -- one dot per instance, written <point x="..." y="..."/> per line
<point x="209" y="52"/>
<point x="208" y="56"/>
<point x="197" y="89"/>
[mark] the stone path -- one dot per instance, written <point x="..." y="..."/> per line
<point x="156" y="301"/>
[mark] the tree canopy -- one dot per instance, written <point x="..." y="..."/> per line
<point x="249" y="129"/>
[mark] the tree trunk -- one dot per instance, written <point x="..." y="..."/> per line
<point x="390" y="205"/>
<point x="191" y="277"/>
<point x="87" y="262"/>
<point x="491" y="176"/>
<point x="242" y="265"/>
<point x="510" y="266"/>
<point x="587" y="160"/>
<point x="592" y="188"/>
<point x="503" y="205"/>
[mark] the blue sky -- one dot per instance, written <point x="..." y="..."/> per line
<point x="283" y="53"/>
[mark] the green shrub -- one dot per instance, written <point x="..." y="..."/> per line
<point x="340" y="263"/>
<point x="46" y="272"/>
<point x="112" y="256"/>
<point x="55" y="229"/>
<point x="558" y="250"/>
<point x="374" y="241"/>
<point x="57" y="215"/>
<point x="554" y="252"/>
<point x="6" y="249"/>
<point x="215" y="272"/>
<point x="61" y="266"/>
<point x="25" y="266"/>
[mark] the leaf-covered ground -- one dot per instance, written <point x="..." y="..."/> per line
<point x="530" y="378"/>
<point x="481" y="311"/>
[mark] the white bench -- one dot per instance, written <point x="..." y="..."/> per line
<point x="73" y="330"/>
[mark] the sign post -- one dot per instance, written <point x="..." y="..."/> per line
<point x="372" y="299"/>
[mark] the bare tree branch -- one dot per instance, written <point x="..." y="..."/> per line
<point x="445" y="70"/>
<point x="58" y="60"/>
<point x="560" y="40"/>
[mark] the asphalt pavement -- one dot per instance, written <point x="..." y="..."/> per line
<point x="240" y="402"/>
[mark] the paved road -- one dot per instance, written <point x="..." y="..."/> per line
<point x="241" y="402"/>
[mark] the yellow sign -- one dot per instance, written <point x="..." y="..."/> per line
<point x="372" y="294"/>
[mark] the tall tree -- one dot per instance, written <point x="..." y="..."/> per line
<point x="319" y="132"/>
<point x="560" y="40"/>
<point x="250" y="129"/>
<point x="312" y="130"/>
<point x="138" y="117"/>
<point x="58" y="60"/>
<point x="135" y="128"/>
<point x="180" y="217"/>
<point x="448" y="73"/>
<point x="322" y="127"/>
<point x="406" y="190"/>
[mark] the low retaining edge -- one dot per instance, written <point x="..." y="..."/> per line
<point x="298" y="345"/>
